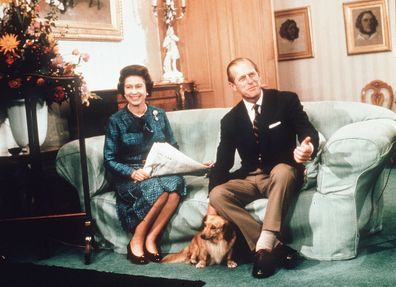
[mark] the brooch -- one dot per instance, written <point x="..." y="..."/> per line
<point x="155" y="113"/>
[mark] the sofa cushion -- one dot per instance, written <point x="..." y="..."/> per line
<point x="329" y="116"/>
<point x="197" y="135"/>
<point x="352" y="150"/>
<point x="69" y="167"/>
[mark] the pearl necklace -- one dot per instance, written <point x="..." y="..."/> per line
<point x="140" y="114"/>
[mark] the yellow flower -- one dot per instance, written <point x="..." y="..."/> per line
<point x="2" y="2"/>
<point x="8" y="43"/>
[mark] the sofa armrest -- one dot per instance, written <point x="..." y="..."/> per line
<point x="68" y="165"/>
<point x="353" y="150"/>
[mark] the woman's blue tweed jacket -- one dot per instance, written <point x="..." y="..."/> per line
<point x="127" y="144"/>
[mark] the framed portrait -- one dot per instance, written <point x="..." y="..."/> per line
<point x="293" y="34"/>
<point x="367" y="26"/>
<point x="97" y="20"/>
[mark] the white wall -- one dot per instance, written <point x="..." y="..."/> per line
<point x="140" y="45"/>
<point x="332" y="74"/>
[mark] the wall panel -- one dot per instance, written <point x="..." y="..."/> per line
<point x="213" y="33"/>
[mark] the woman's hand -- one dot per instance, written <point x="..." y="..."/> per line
<point x="139" y="175"/>
<point x="210" y="164"/>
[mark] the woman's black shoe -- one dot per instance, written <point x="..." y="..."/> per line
<point x="153" y="257"/>
<point x="135" y="259"/>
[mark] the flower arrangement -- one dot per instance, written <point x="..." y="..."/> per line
<point x="67" y="66"/>
<point x="28" y="51"/>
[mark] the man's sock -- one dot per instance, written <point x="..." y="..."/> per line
<point x="267" y="240"/>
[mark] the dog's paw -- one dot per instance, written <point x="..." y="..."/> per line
<point x="193" y="258"/>
<point x="193" y="261"/>
<point x="231" y="264"/>
<point x="200" y="264"/>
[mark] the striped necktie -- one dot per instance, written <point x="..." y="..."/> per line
<point x="255" y="122"/>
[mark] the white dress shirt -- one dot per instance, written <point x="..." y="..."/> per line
<point x="250" y="109"/>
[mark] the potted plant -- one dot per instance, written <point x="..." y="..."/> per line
<point x="30" y="63"/>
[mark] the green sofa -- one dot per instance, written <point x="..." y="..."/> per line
<point x="341" y="200"/>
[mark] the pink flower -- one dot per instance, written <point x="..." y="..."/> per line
<point x="58" y="60"/>
<point x="85" y="57"/>
<point x="37" y="24"/>
<point x="40" y="81"/>
<point x="68" y="69"/>
<point x="59" y="95"/>
<point x="15" y="83"/>
<point x="9" y="59"/>
<point x="28" y="43"/>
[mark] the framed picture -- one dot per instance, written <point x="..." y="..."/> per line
<point x="367" y="26"/>
<point x="99" y="20"/>
<point x="293" y="34"/>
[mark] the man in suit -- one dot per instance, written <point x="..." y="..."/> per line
<point x="263" y="128"/>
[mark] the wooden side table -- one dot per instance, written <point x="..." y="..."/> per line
<point x="21" y="198"/>
<point x="169" y="96"/>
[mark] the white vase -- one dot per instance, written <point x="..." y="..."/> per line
<point x="16" y="113"/>
<point x="7" y="140"/>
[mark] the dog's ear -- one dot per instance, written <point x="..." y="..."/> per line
<point x="228" y="231"/>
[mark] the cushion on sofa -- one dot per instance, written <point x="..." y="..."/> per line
<point x="352" y="150"/>
<point x="69" y="167"/>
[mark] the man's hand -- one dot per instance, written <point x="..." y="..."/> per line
<point x="303" y="152"/>
<point x="139" y="175"/>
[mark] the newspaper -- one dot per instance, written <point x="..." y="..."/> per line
<point x="164" y="159"/>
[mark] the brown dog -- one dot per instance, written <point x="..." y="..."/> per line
<point x="210" y="246"/>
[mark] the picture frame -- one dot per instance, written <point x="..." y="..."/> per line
<point x="293" y="34"/>
<point x="367" y="26"/>
<point x="96" y="20"/>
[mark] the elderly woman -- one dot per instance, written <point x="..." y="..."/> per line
<point x="144" y="204"/>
